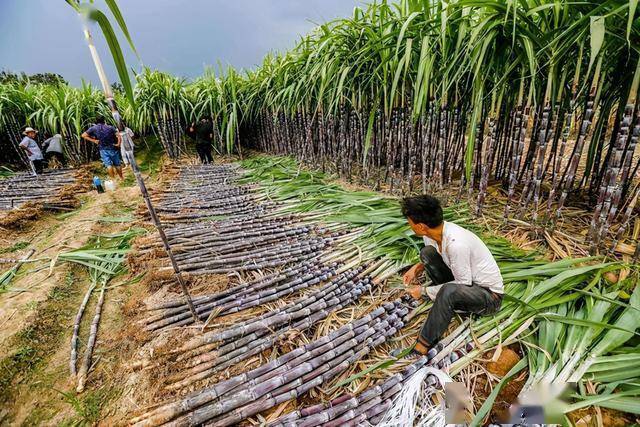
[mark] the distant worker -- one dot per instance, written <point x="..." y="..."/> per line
<point x="52" y="147"/>
<point x="203" y="133"/>
<point x="31" y="148"/>
<point x="125" y="160"/>
<point x="464" y="275"/>
<point x="108" y="140"/>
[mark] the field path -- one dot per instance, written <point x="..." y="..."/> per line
<point x="38" y="307"/>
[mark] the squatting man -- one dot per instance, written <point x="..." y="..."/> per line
<point x="464" y="275"/>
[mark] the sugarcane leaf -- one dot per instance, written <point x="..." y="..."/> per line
<point x="114" y="46"/>
<point x="115" y="10"/>
<point x="597" y="30"/>
<point x="7" y="277"/>
<point x="601" y="400"/>
<point x="622" y="404"/>
<point x="384" y="364"/>
<point x="583" y="322"/>
<point x="404" y="29"/>
<point x="619" y="373"/>
<point x="488" y="404"/>
<point x="625" y="324"/>
<point x="633" y="4"/>
<point x="610" y="362"/>
<point x="93" y="266"/>
<point x="575" y="275"/>
<point x="74" y="4"/>
<point x="621" y="294"/>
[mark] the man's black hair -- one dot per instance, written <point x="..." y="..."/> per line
<point x="423" y="210"/>
<point x="100" y="120"/>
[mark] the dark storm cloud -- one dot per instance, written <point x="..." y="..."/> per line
<point x="179" y="36"/>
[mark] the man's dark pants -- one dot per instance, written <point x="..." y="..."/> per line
<point x="451" y="297"/>
<point x="204" y="152"/>
<point x="38" y="165"/>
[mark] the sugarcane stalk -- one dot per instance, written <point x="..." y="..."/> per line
<point x="522" y="120"/>
<point x="574" y="160"/>
<point x="86" y="363"/>
<point x="268" y="376"/>
<point x="76" y="329"/>
<point x="598" y="227"/>
<point x="134" y="165"/>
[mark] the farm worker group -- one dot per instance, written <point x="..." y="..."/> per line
<point x="106" y="137"/>
<point x="110" y="146"/>
<point x="52" y="147"/>
<point x="464" y="276"/>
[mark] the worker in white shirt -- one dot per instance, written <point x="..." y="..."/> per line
<point x="464" y="275"/>
<point x="125" y="159"/>
<point x="32" y="150"/>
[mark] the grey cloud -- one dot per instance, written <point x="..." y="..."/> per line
<point x="179" y="36"/>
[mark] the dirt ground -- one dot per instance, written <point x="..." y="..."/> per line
<point x="38" y="307"/>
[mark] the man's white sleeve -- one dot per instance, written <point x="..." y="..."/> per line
<point x="460" y="259"/>
<point x="24" y="143"/>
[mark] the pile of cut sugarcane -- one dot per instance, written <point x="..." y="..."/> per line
<point x="22" y="188"/>
<point x="301" y="251"/>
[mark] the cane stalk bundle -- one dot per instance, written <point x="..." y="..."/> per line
<point x="270" y="240"/>
<point x="286" y="377"/>
<point x="22" y="188"/>
<point x="212" y="352"/>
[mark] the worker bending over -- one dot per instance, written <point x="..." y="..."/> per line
<point x="108" y="140"/>
<point x="464" y="275"/>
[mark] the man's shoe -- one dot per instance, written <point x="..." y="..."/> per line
<point x="421" y="348"/>
<point x="418" y="350"/>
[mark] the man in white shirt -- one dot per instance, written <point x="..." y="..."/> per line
<point x="123" y="153"/>
<point x="465" y="276"/>
<point x="31" y="148"/>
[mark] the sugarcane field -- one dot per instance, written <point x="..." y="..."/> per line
<point x="361" y="213"/>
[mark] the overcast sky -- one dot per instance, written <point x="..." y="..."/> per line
<point x="178" y="36"/>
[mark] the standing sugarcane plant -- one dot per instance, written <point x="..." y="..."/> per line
<point x="216" y="97"/>
<point x="161" y="104"/>
<point x="69" y="111"/>
<point x="457" y="91"/>
<point x="618" y="168"/>
<point x="16" y="100"/>
<point x="52" y="108"/>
